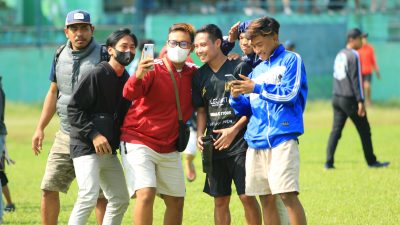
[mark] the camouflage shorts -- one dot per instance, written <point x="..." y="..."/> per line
<point x="59" y="172"/>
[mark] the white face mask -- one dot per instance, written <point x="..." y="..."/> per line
<point x="177" y="54"/>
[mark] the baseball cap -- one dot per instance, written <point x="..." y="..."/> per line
<point x="355" y="33"/>
<point x="77" y="16"/>
<point x="243" y="26"/>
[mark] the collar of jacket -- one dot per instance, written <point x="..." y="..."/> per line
<point x="275" y="54"/>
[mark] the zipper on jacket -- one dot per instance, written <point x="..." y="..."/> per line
<point x="268" y="114"/>
<point x="269" y="126"/>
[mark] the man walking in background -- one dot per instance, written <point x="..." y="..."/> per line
<point x="80" y="54"/>
<point x="368" y="66"/>
<point x="348" y="101"/>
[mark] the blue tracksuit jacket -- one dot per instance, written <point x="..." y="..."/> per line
<point x="276" y="106"/>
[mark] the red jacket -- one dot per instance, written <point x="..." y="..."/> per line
<point x="152" y="119"/>
<point x="367" y="59"/>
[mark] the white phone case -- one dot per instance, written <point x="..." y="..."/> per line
<point x="148" y="51"/>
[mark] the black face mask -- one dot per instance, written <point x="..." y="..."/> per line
<point x="124" y="58"/>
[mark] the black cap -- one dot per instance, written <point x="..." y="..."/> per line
<point x="355" y="33"/>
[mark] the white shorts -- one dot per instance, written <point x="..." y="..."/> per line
<point x="145" y="167"/>
<point x="273" y="171"/>
<point x="191" y="148"/>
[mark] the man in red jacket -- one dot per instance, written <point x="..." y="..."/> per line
<point x="368" y="66"/>
<point x="150" y="129"/>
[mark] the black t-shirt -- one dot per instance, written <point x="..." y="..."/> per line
<point x="209" y="92"/>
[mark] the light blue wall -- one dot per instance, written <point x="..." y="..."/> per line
<point x="25" y="70"/>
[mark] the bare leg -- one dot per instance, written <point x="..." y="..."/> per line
<point x="101" y="206"/>
<point x="295" y="209"/>
<point x="251" y="210"/>
<point x="50" y="207"/>
<point x="174" y="210"/>
<point x="143" y="209"/>
<point x="222" y="215"/>
<point x="6" y="193"/>
<point x="367" y="90"/>
<point x="189" y="166"/>
<point x="269" y="210"/>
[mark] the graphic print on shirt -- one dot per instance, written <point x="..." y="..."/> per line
<point x="219" y="111"/>
<point x="271" y="76"/>
<point x="340" y="67"/>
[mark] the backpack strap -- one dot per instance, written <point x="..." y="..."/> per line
<point x="56" y="56"/>
<point x="178" y="102"/>
<point x="58" y="52"/>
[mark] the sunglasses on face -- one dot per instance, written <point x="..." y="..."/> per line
<point x="182" y="44"/>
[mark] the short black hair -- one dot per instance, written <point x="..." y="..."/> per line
<point x="117" y="35"/>
<point x="213" y="31"/>
<point x="354" y="33"/>
<point x="262" y="26"/>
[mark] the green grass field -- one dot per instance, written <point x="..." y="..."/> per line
<point x="352" y="194"/>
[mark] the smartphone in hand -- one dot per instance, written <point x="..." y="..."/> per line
<point x="230" y="77"/>
<point x="228" y="83"/>
<point x="148" y="52"/>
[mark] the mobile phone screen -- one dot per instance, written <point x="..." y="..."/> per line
<point x="148" y="51"/>
<point x="228" y="83"/>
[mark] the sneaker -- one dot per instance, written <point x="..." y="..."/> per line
<point x="9" y="208"/>
<point x="378" y="164"/>
<point x="329" y="167"/>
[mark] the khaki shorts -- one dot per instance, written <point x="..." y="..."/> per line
<point x="273" y="171"/>
<point x="59" y="172"/>
<point x="145" y="167"/>
<point x="61" y="143"/>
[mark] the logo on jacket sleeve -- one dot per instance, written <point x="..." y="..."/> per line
<point x="285" y="123"/>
